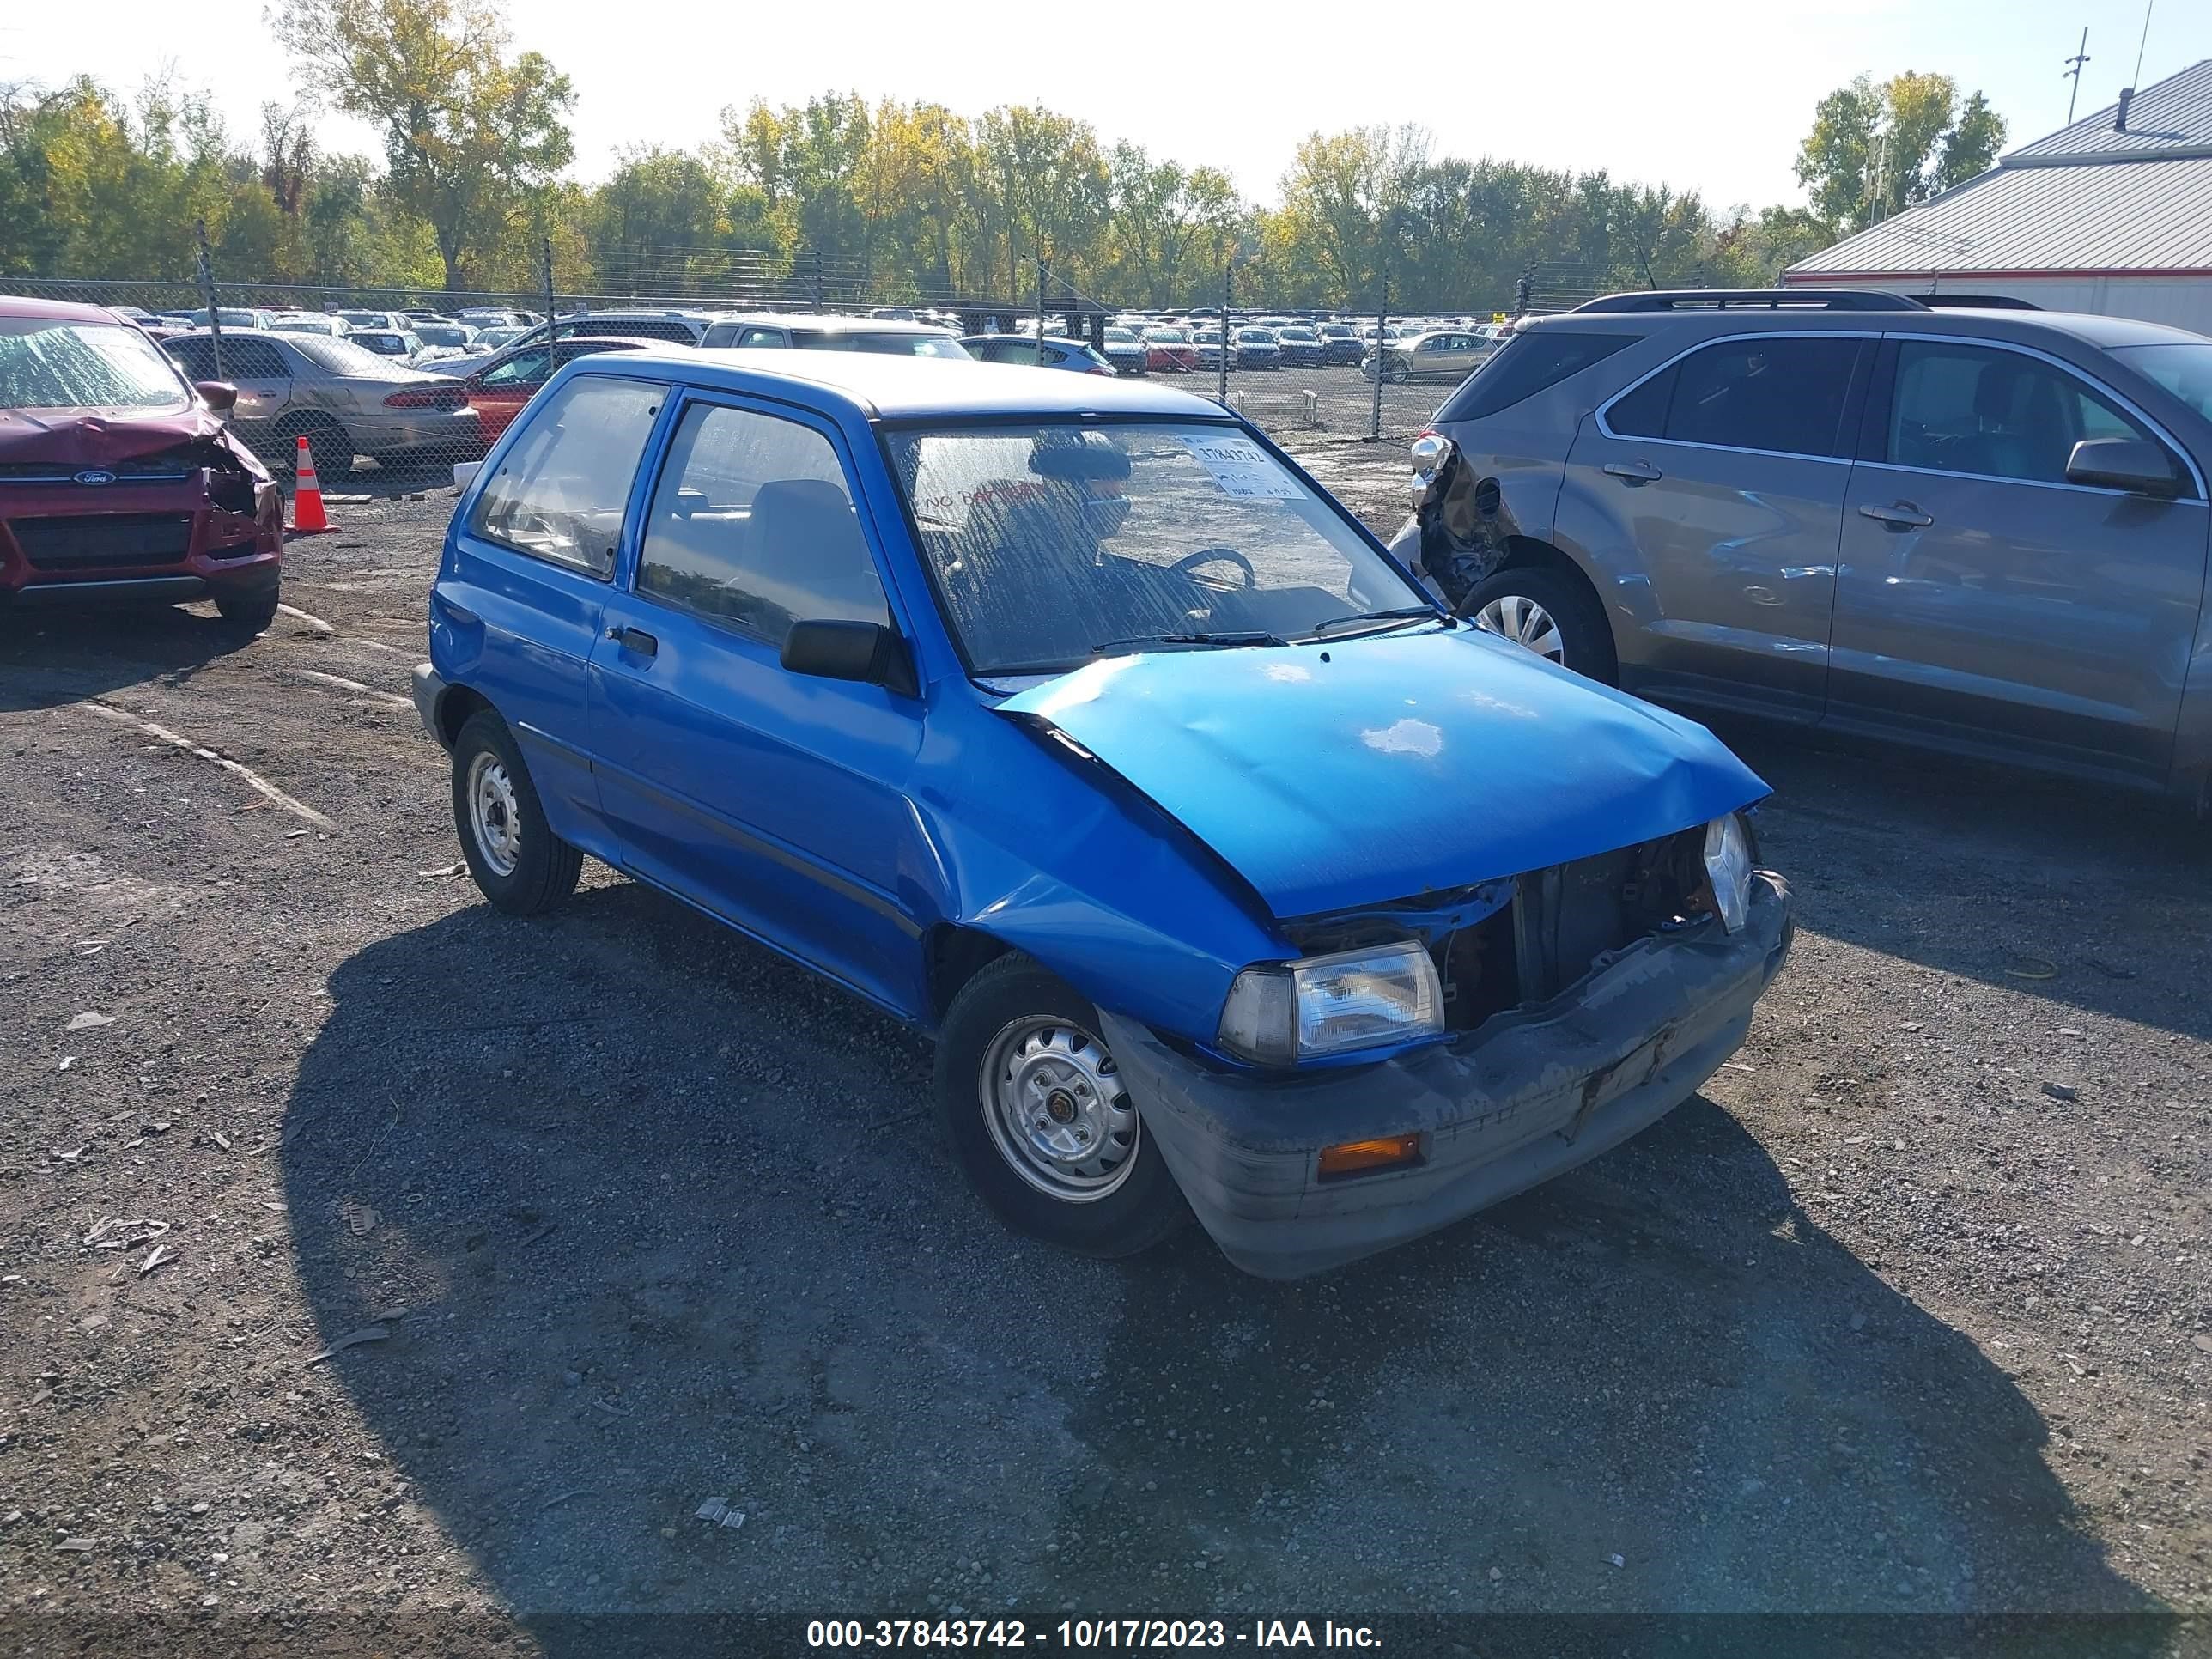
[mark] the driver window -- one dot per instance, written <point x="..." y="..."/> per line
<point x="752" y="523"/>
<point x="561" y="492"/>
<point x="1994" y="413"/>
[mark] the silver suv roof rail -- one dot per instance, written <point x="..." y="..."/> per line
<point x="1756" y="299"/>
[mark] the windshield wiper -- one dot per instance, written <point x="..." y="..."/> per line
<point x="1188" y="641"/>
<point x="1402" y="613"/>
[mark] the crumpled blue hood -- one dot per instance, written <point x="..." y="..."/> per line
<point x="1359" y="771"/>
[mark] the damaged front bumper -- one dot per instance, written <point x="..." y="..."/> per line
<point x="1529" y="1095"/>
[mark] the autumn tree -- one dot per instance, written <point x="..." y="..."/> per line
<point x="1875" y="150"/>
<point x="468" y="132"/>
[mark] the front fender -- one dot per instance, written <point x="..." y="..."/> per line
<point x="1065" y="864"/>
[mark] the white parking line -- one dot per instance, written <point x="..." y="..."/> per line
<point x="345" y="684"/>
<point x="322" y="627"/>
<point x="253" y="780"/>
<point x="315" y="622"/>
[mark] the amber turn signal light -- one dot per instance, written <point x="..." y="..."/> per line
<point x="1357" y="1157"/>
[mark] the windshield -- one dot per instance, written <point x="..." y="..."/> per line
<point x="49" y="364"/>
<point x="1049" y="544"/>
<point x="443" y="334"/>
<point x="1169" y="336"/>
<point x="2183" y="368"/>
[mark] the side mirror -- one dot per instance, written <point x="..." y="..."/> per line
<point x="218" y="395"/>
<point x="2134" y="464"/>
<point x="863" y="651"/>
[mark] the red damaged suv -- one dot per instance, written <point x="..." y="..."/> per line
<point x="117" y="481"/>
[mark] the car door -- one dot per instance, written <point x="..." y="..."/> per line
<point x="1709" y="497"/>
<point x="774" y="799"/>
<point x="528" y="574"/>
<point x="1981" y="598"/>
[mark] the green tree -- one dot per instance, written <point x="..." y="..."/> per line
<point x="1875" y="150"/>
<point x="469" y="133"/>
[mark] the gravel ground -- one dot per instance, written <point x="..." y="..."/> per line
<point x="375" y="1254"/>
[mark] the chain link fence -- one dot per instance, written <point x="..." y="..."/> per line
<point x="391" y="386"/>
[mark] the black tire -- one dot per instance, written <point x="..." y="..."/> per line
<point x="1398" y="374"/>
<point x="1586" y="637"/>
<point x="246" y="615"/>
<point x="542" y="868"/>
<point x="1144" y="1208"/>
<point x="331" y="444"/>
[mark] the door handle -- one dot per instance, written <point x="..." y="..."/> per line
<point x="636" y="639"/>
<point x="1903" y="516"/>
<point x="1635" y="472"/>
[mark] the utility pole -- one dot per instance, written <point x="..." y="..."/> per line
<point x="2081" y="57"/>
<point x="207" y="293"/>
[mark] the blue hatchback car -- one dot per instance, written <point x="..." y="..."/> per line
<point x="1065" y="720"/>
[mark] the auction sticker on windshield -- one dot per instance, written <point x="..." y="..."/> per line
<point x="1241" y="468"/>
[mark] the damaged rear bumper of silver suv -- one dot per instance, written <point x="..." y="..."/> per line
<point x="1529" y="1095"/>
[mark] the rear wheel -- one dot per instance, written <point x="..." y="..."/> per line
<point x="331" y="444"/>
<point x="1039" y="1118"/>
<point x="1550" y="613"/>
<point x="518" y="863"/>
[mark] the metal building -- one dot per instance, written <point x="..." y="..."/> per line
<point x="2112" y="215"/>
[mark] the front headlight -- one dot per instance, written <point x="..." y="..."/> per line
<point x="1285" y="1012"/>
<point x="1728" y="866"/>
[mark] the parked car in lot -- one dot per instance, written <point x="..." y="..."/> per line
<point x="442" y="340"/>
<point x="119" y="482"/>
<point x="1073" y="725"/>
<point x="780" y="331"/>
<point x="1301" y="346"/>
<point x="498" y="389"/>
<point x="1440" y="354"/>
<point x="346" y="402"/>
<point x="1257" y="347"/>
<point x="387" y="322"/>
<point x="1339" y="344"/>
<point x="310" y="322"/>
<point x="1024" y="350"/>
<point x="1983" y="531"/>
<point x="1168" y="349"/>
<point x="1125" y="351"/>
<point x="233" y="317"/>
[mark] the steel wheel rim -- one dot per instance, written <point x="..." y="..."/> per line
<point x="494" y="819"/>
<point x="1516" y="617"/>
<point x="1053" y="1101"/>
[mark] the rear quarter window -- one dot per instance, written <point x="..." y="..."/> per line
<point x="1525" y="365"/>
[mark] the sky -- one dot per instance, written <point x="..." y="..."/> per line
<point x="1715" y="100"/>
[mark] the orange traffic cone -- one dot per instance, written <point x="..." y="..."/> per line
<point x="307" y="515"/>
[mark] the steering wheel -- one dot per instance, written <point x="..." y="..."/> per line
<point x="1205" y="556"/>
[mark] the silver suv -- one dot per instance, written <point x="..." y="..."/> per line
<point x="1983" y="530"/>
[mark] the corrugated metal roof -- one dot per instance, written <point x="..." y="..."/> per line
<point x="2171" y="115"/>
<point x="2138" y="216"/>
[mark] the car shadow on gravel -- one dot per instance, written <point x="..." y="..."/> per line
<point x="50" y="657"/>
<point x="2094" y="898"/>
<point x="644" y="1268"/>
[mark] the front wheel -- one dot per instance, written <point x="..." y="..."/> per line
<point x="1040" y="1120"/>
<point x="247" y="616"/>
<point x="518" y="863"/>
